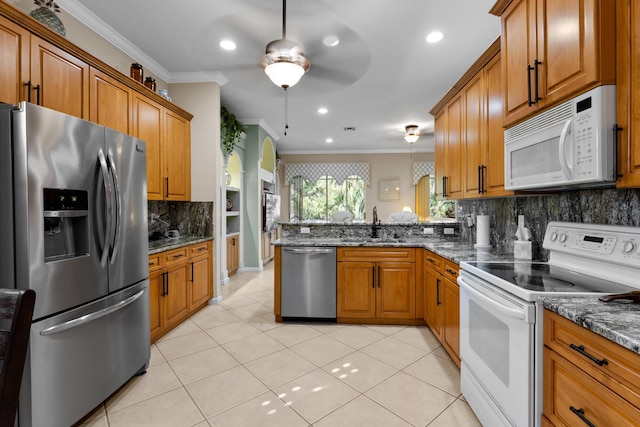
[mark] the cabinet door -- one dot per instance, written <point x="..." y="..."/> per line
<point x="396" y="290"/>
<point x="455" y="129"/>
<point x="356" y="293"/>
<point x="494" y="150"/>
<point x="109" y="102"/>
<point x="440" y="141"/>
<point x="177" y="157"/>
<point x="628" y="92"/>
<point x="176" y="301"/>
<point x="434" y="308"/>
<point x="147" y="125"/>
<point x="518" y="51"/>
<point x="451" y="325"/>
<point x="575" y="42"/>
<point x="156" y="301"/>
<point x="59" y="80"/>
<point x="201" y="284"/>
<point x="233" y="255"/>
<point x="474" y="140"/>
<point x="14" y="61"/>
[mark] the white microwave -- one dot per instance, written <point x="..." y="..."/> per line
<point x="572" y="144"/>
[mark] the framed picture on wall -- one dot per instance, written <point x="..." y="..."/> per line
<point x="389" y="189"/>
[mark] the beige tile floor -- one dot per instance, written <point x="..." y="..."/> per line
<point x="231" y="365"/>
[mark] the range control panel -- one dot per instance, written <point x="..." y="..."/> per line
<point x="612" y="243"/>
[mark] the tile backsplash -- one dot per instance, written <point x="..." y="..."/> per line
<point x="621" y="207"/>
<point x="189" y="218"/>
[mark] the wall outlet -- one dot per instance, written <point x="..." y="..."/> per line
<point x="427" y="230"/>
<point x="305" y="230"/>
<point x="449" y="231"/>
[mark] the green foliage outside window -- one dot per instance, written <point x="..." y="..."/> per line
<point x="440" y="208"/>
<point x="317" y="201"/>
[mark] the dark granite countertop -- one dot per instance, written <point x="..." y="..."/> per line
<point x="167" y="244"/>
<point x="618" y="320"/>
<point x="453" y="250"/>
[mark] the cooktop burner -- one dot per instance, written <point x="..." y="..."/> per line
<point x="546" y="278"/>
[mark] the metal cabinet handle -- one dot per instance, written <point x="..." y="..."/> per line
<point x="529" y="100"/>
<point x="483" y="187"/>
<point x="373" y="276"/>
<point x="378" y="276"/>
<point x="580" y="349"/>
<point x="166" y="187"/>
<point x="176" y="256"/>
<point x="37" y="88"/>
<point x="536" y="63"/>
<point x="452" y="272"/>
<point x="580" y="414"/>
<point x="191" y="272"/>
<point x="28" y="85"/>
<point x="438" y="292"/>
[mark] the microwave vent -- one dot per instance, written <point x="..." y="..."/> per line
<point x="539" y="122"/>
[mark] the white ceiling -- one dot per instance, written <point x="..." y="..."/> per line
<point x="382" y="75"/>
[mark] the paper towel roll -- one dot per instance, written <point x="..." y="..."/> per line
<point x="482" y="232"/>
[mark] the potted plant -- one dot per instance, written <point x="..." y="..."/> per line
<point x="230" y="131"/>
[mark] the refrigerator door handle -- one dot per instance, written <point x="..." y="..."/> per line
<point x="109" y="208"/>
<point x="91" y="316"/>
<point x="118" y="209"/>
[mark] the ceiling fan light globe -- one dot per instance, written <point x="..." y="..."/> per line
<point x="284" y="73"/>
<point x="411" y="138"/>
<point x="412" y="133"/>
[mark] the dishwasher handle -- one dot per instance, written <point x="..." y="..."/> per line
<point x="309" y="250"/>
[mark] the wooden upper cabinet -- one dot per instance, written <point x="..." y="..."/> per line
<point x="147" y="125"/>
<point x="440" y="152"/>
<point x="554" y="49"/>
<point x="455" y="134"/>
<point x="473" y="158"/>
<point x="59" y="81"/>
<point x="14" y="61"/>
<point x="109" y="102"/>
<point x="177" y="157"/>
<point x="628" y="92"/>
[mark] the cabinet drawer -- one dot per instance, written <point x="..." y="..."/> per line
<point x="450" y="270"/>
<point x="621" y="371"/>
<point x="175" y="256"/>
<point x="155" y="262"/>
<point x="199" y="249"/>
<point x="432" y="260"/>
<point x="572" y="397"/>
<point x="376" y="254"/>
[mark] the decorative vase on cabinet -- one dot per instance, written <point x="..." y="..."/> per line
<point x="46" y="14"/>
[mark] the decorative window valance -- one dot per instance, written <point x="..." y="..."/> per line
<point x="421" y="169"/>
<point x="314" y="171"/>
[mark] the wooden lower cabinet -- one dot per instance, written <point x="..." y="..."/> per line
<point x="376" y="283"/>
<point x="180" y="283"/>
<point x="233" y="254"/>
<point x="577" y="390"/>
<point x="442" y="302"/>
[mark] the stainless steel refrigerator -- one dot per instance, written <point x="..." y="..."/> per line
<point x="73" y="221"/>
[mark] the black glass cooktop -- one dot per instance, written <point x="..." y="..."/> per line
<point x="542" y="277"/>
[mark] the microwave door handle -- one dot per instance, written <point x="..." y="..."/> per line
<point x="564" y="164"/>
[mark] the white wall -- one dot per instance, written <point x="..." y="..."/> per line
<point x="382" y="167"/>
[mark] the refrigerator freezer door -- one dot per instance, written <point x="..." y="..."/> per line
<point x="80" y="357"/>
<point x="56" y="156"/>
<point x="128" y="261"/>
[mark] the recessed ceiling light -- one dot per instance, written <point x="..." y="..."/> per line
<point x="434" y="37"/>
<point x="328" y="140"/>
<point x="331" y="41"/>
<point x="322" y="110"/>
<point x="228" y="45"/>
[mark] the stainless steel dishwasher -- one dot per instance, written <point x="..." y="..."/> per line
<point x="308" y="283"/>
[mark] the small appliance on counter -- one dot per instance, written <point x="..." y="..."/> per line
<point x="74" y="229"/>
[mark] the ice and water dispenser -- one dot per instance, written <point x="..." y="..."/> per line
<point x="66" y="224"/>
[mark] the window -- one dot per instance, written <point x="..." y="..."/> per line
<point x="440" y="208"/>
<point x="317" y="201"/>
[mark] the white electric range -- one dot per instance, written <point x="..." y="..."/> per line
<point x="501" y="331"/>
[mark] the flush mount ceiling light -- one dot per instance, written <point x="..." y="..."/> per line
<point x="228" y="44"/>
<point x="412" y="133"/>
<point x="284" y="61"/>
<point x="434" y="37"/>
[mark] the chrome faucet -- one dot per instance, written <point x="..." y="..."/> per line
<point x="375" y="225"/>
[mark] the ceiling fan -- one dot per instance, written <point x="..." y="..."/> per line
<point x="284" y="61"/>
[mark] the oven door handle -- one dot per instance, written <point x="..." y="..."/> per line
<point x="511" y="312"/>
